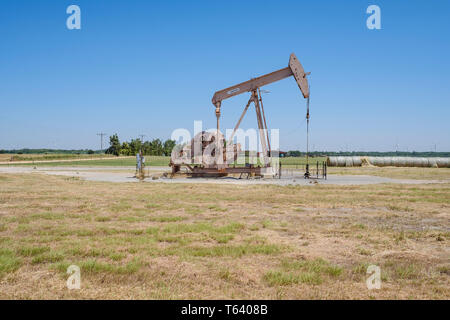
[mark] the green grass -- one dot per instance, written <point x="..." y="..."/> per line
<point x="184" y="233"/>
<point x="181" y="228"/>
<point x="52" y="156"/>
<point x="47" y="257"/>
<point x="287" y="162"/>
<point x="166" y="218"/>
<point x="402" y="270"/>
<point x="48" y="216"/>
<point x="292" y="162"/>
<point x="122" y="162"/>
<point x="227" y="250"/>
<point x="302" y="271"/>
<point x="317" y="266"/>
<point x="9" y="262"/>
<point x="32" y="251"/>
<point x="407" y="272"/>
<point x="93" y="266"/>
<point x="279" y="278"/>
<point x="222" y="238"/>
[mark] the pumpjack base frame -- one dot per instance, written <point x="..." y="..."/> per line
<point x="199" y="171"/>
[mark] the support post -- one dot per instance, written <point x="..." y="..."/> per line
<point x="218" y="116"/>
<point x="260" y="126"/>
<point x="265" y="123"/>
<point x="219" y="150"/>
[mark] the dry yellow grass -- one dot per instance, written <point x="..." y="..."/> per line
<point x="177" y="241"/>
<point x="51" y="158"/>
<point x="5" y="157"/>
<point x="395" y="172"/>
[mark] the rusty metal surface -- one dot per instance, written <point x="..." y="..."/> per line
<point x="299" y="75"/>
<point x="294" y="69"/>
<point x="251" y="85"/>
<point x="199" y="171"/>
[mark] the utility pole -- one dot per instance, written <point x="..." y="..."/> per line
<point x="142" y="137"/>
<point x="101" y="134"/>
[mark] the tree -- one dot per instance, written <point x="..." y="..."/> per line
<point x="146" y="148"/>
<point x="135" y="146"/>
<point x="294" y="153"/>
<point x="126" y="149"/>
<point x="168" y="146"/>
<point x="156" y="147"/>
<point x="114" y="145"/>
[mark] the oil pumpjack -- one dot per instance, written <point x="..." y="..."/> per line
<point x="205" y="167"/>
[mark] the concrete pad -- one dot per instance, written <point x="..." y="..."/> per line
<point x="126" y="174"/>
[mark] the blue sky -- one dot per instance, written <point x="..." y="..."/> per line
<point x="152" y="66"/>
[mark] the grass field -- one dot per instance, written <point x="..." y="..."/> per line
<point x="395" y="172"/>
<point x="111" y="162"/>
<point x="49" y="156"/>
<point x="176" y="241"/>
<point x="291" y="162"/>
<point x="287" y="163"/>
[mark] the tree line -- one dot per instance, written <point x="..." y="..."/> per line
<point x="49" y="151"/>
<point x="160" y="148"/>
<point x="297" y="153"/>
<point x="155" y="147"/>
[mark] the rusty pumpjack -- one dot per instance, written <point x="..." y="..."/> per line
<point x="253" y="86"/>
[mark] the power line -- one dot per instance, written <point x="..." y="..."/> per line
<point x="101" y="134"/>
